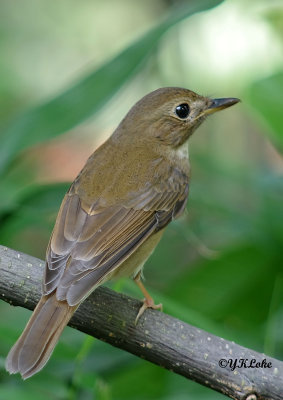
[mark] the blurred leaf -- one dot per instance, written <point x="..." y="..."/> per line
<point x="274" y="15"/>
<point x="234" y="290"/>
<point x="266" y="98"/>
<point x="33" y="218"/>
<point x="273" y="337"/>
<point x="149" y="381"/>
<point x="88" y="95"/>
<point x="15" y="184"/>
<point x="38" y="387"/>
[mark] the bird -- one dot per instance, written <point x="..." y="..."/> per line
<point x="114" y="214"/>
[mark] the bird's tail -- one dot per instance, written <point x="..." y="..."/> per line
<point x="36" y="344"/>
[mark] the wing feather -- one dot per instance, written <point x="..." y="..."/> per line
<point x="88" y="244"/>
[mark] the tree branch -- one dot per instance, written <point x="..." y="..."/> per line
<point x="158" y="337"/>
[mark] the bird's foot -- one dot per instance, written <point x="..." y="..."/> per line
<point x="148" y="302"/>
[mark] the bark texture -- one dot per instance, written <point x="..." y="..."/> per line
<point x="158" y="337"/>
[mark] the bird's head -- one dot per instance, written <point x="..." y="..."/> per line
<point x="168" y="116"/>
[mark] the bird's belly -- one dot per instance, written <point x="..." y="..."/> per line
<point x="135" y="262"/>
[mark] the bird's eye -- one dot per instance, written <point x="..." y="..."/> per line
<point x="182" y="110"/>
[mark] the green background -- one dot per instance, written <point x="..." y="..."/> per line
<point x="69" y="71"/>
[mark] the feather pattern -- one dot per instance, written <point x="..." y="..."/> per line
<point x="92" y="239"/>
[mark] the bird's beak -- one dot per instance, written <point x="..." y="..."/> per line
<point x="220" y="104"/>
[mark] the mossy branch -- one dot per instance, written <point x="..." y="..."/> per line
<point x="158" y="337"/>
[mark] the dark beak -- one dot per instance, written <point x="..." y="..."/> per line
<point x="220" y="104"/>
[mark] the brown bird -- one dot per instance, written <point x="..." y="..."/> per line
<point x="114" y="214"/>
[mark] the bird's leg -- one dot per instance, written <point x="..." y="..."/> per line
<point x="148" y="301"/>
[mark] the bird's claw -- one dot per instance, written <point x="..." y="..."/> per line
<point x="147" y="303"/>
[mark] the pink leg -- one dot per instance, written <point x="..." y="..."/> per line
<point x="148" y="301"/>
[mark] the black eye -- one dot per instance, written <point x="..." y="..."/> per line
<point x="182" y="110"/>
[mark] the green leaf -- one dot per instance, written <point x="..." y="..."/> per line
<point x="33" y="218"/>
<point x="89" y="94"/>
<point x="266" y="98"/>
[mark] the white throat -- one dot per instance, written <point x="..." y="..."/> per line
<point x="183" y="151"/>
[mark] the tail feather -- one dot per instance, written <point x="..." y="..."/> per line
<point x="36" y="344"/>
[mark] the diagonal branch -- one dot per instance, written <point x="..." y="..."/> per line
<point x="158" y="337"/>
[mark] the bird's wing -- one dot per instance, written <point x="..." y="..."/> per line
<point x="87" y="245"/>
